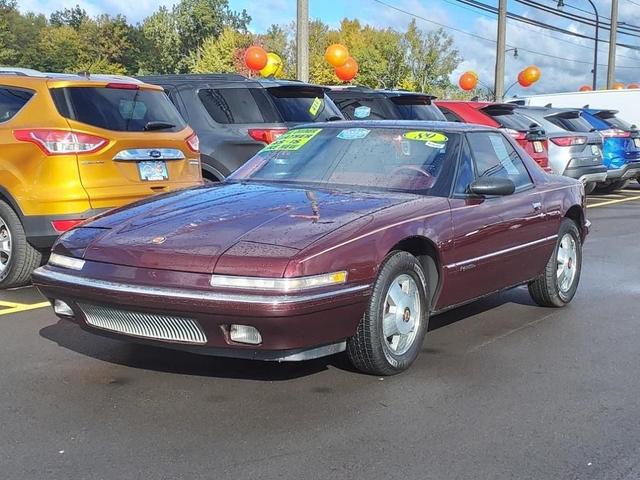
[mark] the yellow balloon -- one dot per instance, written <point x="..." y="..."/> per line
<point x="274" y="67"/>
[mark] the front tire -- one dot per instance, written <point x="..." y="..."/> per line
<point x="390" y="335"/>
<point x="17" y="257"/>
<point x="614" y="186"/>
<point x="558" y="285"/>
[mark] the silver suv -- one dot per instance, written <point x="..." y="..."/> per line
<point x="575" y="147"/>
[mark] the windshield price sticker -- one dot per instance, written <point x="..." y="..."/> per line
<point x="431" y="139"/>
<point x="293" y="140"/>
<point x="353" y="134"/>
<point x="315" y="106"/>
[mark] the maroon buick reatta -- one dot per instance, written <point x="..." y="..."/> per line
<point x="338" y="236"/>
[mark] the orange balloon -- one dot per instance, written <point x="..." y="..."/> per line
<point x="585" y="88"/>
<point x="618" y="86"/>
<point x="523" y="81"/>
<point x="531" y="74"/>
<point x="337" y="55"/>
<point x="255" y="58"/>
<point x="348" y="70"/>
<point x="633" y="85"/>
<point x="468" y="81"/>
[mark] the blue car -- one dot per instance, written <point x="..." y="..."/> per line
<point x="620" y="148"/>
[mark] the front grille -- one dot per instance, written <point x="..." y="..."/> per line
<point x="146" y="325"/>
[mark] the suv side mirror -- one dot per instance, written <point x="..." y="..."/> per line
<point x="488" y="186"/>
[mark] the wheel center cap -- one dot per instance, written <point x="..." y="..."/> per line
<point x="570" y="262"/>
<point x="406" y="315"/>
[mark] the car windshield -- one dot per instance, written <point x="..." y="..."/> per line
<point x="368" y="108"/>
<point x="119" y="109"/>
<point x="419" y="110"/>
<point x="399" y="159"/>
<point x="617" y="122"/>
<point x="303" y="104"/>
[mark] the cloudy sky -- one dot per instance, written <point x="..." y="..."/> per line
<point x="565" y="61"/>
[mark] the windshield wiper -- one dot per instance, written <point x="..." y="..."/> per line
<point x="158" y="126"/>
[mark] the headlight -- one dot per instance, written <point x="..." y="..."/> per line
<point x="284" y="285"/>
<point x="66" y="262"/>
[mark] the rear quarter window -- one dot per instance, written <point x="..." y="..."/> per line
<point x="237" y="105"/>
<point x="118" y="109"/>
<point x="12" y="100"/>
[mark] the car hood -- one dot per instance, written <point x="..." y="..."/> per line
<point x="190" y="230"/>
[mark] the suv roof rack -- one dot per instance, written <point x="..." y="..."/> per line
<point x="30" y="72"/>
<point x="21" y="72"/>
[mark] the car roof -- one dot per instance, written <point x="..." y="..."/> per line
<point x="346" y="90"/>
<point x="547" y="109"/>
<point x="223" y="80"/>
<point x="416" y="124"/>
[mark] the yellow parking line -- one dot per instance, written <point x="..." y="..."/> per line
<point x="13" y="307"/>
<point x="611" y="202"/>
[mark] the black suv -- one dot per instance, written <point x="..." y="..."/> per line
<point x="362" y="103"/>
<point x="235" y="116"/>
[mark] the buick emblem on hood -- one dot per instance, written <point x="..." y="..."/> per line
<point x="158" y="240"/>
<point x="155" y="153"/>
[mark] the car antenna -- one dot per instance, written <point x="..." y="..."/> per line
<point x="84" y="74"/>
<point x="586" y="106"/>
<point x="548" y="105"/>
<point x="475" y="99"/>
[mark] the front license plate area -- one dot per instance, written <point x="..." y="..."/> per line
<point x="538" y="147"/>
<point x="153" y="170"/>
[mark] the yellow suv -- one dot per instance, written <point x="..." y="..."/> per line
<point x="72" y="146"/>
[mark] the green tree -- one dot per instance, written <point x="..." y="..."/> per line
<point x="431" y="58"/>
<point x="163" y="42"/>
<point x="220" y="54"/>
<point x="8" y="46"/>
<point x="71" y="17"/>
<point x="60" y="49"/>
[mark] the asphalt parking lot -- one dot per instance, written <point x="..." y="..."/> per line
<point x="502" y="389"/>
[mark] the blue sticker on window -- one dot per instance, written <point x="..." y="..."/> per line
<point x="353" y="133"/>
<point x="362" y="112"/>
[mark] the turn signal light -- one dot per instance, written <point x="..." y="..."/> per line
<point x="266" y="135"/>
<point x="62" y="226"/>
<point x="193" y="142"/>
<point x="616" y="133"/>
<point x="61" y="142"/>
<point x="569" y="141"/>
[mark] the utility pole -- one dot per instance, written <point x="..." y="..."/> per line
<point x="500" y="50"/>
<point x="302" y="41"/>
<point x="611" y="66"/>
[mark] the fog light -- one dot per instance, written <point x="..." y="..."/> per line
<point x="61" y="308"/>
<point x="245" y="334"/>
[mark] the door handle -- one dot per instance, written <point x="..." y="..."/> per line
<point x="537" y="206"/>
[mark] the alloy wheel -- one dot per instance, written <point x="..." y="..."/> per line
<point x="402" y="314"/>
<point x="567" y="262"/>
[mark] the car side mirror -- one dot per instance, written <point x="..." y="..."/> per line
<point x="488" y="186"/>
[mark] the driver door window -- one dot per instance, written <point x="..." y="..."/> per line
<point x="495" y="157"/>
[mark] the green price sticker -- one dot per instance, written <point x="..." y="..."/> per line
<point x="424" y="136"/>
<point x="292" y="140"/>
<point x="315" y="106"/>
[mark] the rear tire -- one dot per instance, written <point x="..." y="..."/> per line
<point x="611" y="187"/>
<point x="390" y="335"/>
<point x="558" y="285"/>
<point x="17" y="257"/>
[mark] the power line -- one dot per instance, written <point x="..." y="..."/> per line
<point x="485" y="10"/>
<point x="526" y="20"/>
<point x="576" y="18"/>
<point x="480" y="37"/>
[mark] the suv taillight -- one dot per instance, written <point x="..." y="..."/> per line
<point x="266" y="135"/>
<point x="61" y="142"/>
<point x="615" y="132"/>
<point x="515" y="134"/>
<point x="193" y="142"/>
<point x="569" y="141"/>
